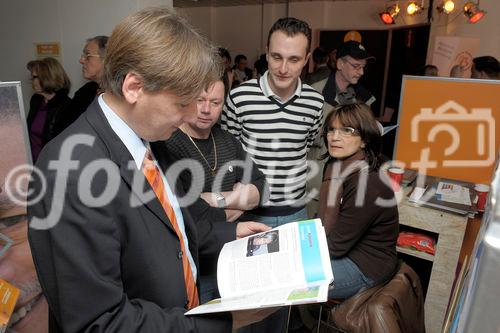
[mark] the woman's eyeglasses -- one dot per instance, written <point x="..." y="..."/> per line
<point x="343" y="131"/>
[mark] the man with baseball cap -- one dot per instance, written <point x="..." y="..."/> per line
<point x="340" y="88"/>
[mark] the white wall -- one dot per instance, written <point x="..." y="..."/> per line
<point x="239" y="28"/>
<point x="244" y="29"/>
<point x="70" y="22"/>
<point x="487" y="29"/>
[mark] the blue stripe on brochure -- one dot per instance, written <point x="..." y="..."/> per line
<point x="311" y="256"/>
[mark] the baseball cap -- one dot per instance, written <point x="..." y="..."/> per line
<point x="355" y="50"/>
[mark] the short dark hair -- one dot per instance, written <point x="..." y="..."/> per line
<point x="319" y="56"/>
<point x="360" y="117"/>
<point x="238" y="58"/>
<point x="261" y="64"/>
<point x="102" y="42"/>
<point x="291" y="27"/>
<point x="427" y="68"/>
<point x="224" y="53"/>
<point x="488" y="65"/>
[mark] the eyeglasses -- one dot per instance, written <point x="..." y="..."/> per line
<point x="6" y="222"/>
<point x="87" y="56"/>
<point x="356" y="67"/>
<point x="5" y="243"/>
<point x="343" y="131"/>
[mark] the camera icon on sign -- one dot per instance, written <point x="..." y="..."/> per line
<point x="453" y="119"/>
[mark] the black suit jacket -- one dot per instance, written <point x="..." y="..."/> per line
<point x="116" y="267"/>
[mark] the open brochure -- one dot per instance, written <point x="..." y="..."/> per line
<point x="286" y="265"/>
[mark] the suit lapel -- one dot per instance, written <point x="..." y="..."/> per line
<point x="120" y="155"/>
<point x="164" y="161"/>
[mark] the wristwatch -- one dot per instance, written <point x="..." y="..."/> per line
<point x="221" y="200"/>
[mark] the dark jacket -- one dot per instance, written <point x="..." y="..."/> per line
<point x="318" y="75"/>
<point x="365" y="233"/>
<point x="80" y="102"/>
<point x="55" y="115"/>
<point x="115" y="268"/>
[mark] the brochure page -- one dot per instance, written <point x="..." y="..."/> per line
<point x="286" y="265"/>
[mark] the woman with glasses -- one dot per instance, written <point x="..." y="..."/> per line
<point x="50" y="86"/>
<point x="357" y="205"/>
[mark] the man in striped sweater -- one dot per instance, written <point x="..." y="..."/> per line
<point x="277" y="118"/>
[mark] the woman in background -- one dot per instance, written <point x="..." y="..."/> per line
<point x="50" y="86"/>
<point x="361" y="230"/>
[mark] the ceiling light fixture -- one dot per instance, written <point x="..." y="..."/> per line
<point x="446" y="7"/>
<point x="414" y="8"/>
<point x="389" y="15"/>
<point x="472" y="12"/>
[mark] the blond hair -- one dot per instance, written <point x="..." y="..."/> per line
<point x="51" y="74"/>
<point x="164" y="50"/>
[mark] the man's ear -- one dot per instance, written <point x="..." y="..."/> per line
<point x="132" y="87"/>
<point x="307" y="58"/>
<point x="339" y="64"/>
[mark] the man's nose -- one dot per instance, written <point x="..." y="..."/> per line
<point x="284" y="67"/>
<point x="204" y="106"/>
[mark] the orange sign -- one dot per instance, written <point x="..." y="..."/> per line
<point x="448" y="127"/>
<point x="8" y="299"/>
<point x="48" y="50"/>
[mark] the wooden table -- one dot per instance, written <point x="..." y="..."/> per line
<point x="450" y="229"/>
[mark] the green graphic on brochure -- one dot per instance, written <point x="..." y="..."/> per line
<point x="304" y="293"/>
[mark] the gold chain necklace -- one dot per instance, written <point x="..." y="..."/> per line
<point x="212" y="170"/>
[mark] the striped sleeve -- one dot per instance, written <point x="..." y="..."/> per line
<point x="229" y="118"/>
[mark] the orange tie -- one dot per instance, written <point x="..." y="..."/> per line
<point x="154" y="178"/>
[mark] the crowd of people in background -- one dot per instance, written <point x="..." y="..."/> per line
<point x="52" y="110"/>
<point x="273" y="119"/>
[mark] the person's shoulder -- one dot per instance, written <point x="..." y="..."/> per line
<point x="81" y="136"/>
<point x="377" y="186"/>
<point x="310" y="92"/>
<point x="36" y="98"/>
<point x="88" y="89"/>
<point x="362" y="93"/>
<point x="247" y="86"/>
<point x="226" y="137"/>
<point x="177" y="146"/>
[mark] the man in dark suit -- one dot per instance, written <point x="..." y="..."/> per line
<point x="113" y="248"/>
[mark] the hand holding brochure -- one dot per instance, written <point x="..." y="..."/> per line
<point x="286" y="265"/>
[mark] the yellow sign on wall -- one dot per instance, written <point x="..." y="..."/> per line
<point x="48" y="50"/>
<point x="449" y="127"/>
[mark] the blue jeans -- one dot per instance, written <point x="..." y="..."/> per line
<point x="276" y="221"/>
<point x="347" y="279"/>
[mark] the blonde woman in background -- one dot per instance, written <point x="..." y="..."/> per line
<point x="50" y="85"/>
